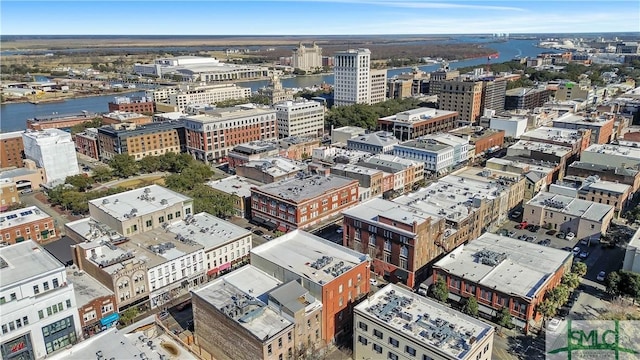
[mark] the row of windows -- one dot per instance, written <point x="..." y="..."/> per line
<point x="53" y="309"/>
<point x="13" y="325"/>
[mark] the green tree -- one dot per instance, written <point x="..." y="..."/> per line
<point x="123" y="165"/>
<point x="559" y="295"/>
<point x="101" y="173"/>
<point x="440" y="290"/>
<point x="80" y="182"/>
<point x="571" y="280"/>
<point x="129" y="315"/>
<point x="579" y="268"/>
<point x="205" y="199"/>
<point x="471" y="306"/>
<point x="548" y="309"/>
<point x="504" y="318"/>
<point x="278" y="233"/>
<point x="630" y="284"/>
<point x="612" y="283"/>
<point x="149" y="164"/>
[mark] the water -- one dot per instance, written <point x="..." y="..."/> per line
<point x="13" y="116"/>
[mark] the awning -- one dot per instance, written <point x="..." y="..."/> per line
<point x="109" y="319"/>
<point x="44" y="232"/>
<point x="401" y="274"/>
<point x="282" y="228"/>
<point x="486" y="309"/>
<point x="225" y="266"/>
<point x="20" y="239"/>
<point x="454" y="297"/>
<point x="212" y="271"/>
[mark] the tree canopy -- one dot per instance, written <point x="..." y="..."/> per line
<point x="366" y="116"/>
<point x="471" y="306"/>
<point x="440" y="290"/>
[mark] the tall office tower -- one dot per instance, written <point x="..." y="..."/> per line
<point x="493" y="93"/>
<point x="465" y="97"/>
<point x="352" y="79"/>
<point x="378" y="86"/>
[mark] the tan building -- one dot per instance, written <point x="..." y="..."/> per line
<point x="367" y="178"/>
<point x="140" y="210"/>
<point x="463" y="97"/>
<point x="594" y="189"/>
<point x="415" y="123"/>
<point x="298" y="147"/>
<point x="29" y="223"/>
<point x="537" y="177"/>
<point x="29" y="177"/>
<point x="11" y="149"/>
<point x="240" y="191"/>
<point x="140" y="141"/>
<point x="269" y="319"/>
<point x="9" y="195"/>
<point x="612" y="173"/>
<point x="378" y="86"/>
<point x="406" y="173"/>
<point x="307" y="59"/>
<point x="586" y="219"/>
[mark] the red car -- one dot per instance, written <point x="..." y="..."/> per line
<point x="522" y="225"/>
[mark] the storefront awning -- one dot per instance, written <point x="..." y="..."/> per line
<point x="109" y="319"/>
<point x="282" y="228"/>
<point x="454" y="297"/>
<point x="487" y="310"/>
<point x="212" y="271"/>
<point x="401" y="274"/>
<point x="225" y="266"/>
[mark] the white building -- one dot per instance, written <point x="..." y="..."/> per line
<point x="301" y="117"/>
<point x="38" y="306"/>
<point x="380" y="142"/>
<point x="307" y="59"/>
<point x="203" y="94"/>
<point x="632" y="255"/>
<point x="195" y="68"/>
<point x="395" y="323"/>
<point x="225" y="244"/>
<point x="513" y="126"/>
<point x="54" y="151"/>
<point x="437" y="157"/>
<point x="352" y="78"/>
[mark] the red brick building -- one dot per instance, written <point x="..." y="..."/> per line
<point x="336" y="275"/>
<point x="11" y="149"/>
<point x="87" y="143"/>
<point x="412" y="124"/>
<point x="135" y="104"/>
<point x="97" y="307"/>
<point x="302" y="202"/>
<point x="601" y="126"/>
<point x="28" y="223"/>
<point x="503" y="272"/>
<point x="63" y="121"/>
<point x="482" y="139"/>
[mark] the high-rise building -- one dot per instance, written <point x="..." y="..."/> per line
<point x="352" y="77"/>
<point x="493" y="93"/>
<point x="465" y="97"/>
<point x="53" y="150"/>
<point x="299" y="118"/>
<point x="38" y="306"/>
<point x="378" y="86"/>
<point x="307" y="59"/>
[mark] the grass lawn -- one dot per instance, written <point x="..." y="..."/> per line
<point x="136" y="183"/>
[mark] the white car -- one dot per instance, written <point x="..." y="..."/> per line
<point x="570" y="236"/>
<point x="554" y="324"/>
<point x="601" y="276"/>
<point x="373" y="282"/>
<point x="339" y="231"/>
<point x="268" y="237"/>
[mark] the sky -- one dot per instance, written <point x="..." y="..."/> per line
<point x="316" y="17"/>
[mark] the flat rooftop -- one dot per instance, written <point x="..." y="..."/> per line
<point x="615" y="150"/>
<point x="609" y="186"/>
<point x="429" y="323"/>
<point x="560" y="135"/>
<point x="380" y="138"/>
<point x="603" y="168"/>
<point x="426" y="145"/>
<point x="582" y="120"/>
<point x="255" y="147"/>
<point x="350" y="168"/>
<point x="556" y="150"/>
<point x="371" y="211"/>
<point x="419" y="115"/>
<point x="245" y="308"/>
<point x="124" y="344"/>
<point x="302" y="189"/>
<point x="24" y="260"/>
<point x="85" y="287"/>
<point x="298" y="250"/>
<point x="354" y="130"/>
<point x="11" y="135"/>
<point x="275" y="166"/>
<point x="224" y="114"/>
<point x="253" y="281"/>
<point x="25" y="215"/>
<point x="208" y="230"/>
<point x="234" y="185"/>
<point x="571" y="206"/>
<point x="144" y="201"/>
<point x="510" y="265"/>
<point x="390" y="161"/>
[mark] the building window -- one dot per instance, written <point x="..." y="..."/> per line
<point x="372" y="239"/>
<point x="363" y="326"/>
<point x="12" y="296"/>
<point x="377" y="348"/>
<point x="393" y="342"/>
<point x="377" y="333"/>
<point x="392" y="356"/>
<point x="362" y="340"/>
<point x="149" y="223"/>
<point x="55" y="283"/>
<point x="409" y="350"/>
<point x="36" y="289"/>
<point x="269" y="350"/>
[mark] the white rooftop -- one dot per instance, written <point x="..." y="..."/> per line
<point x="21" y="261"/>
<point x="418" y="115"/>
<point x="350" y="168"/>
<point x="568" y="136"/>
<point x="208" y="230"/>
<point x="571" y="206"/>
<point x="297" y="250"/>
<point x="509" y="265"/>
<point x="276" y="166"/>
<point x="25" y="215"/>
<point x="234" y="296"/>
<point x="582" y="120"/>
<point x="224" y="114"/>
<point x="234" y="185"/>
<point x="301" y="189"/>
<point x="85" y="287"/>
<point x="420" y="318"/>
<point x="609" y="186"/>
<point x="615" y="150"/>
<point x="11" y="135"/>
<point x="556" y="150"/>
<point x="144" y="200"/>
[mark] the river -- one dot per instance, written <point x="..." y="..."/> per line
<point x="13" y="116"/>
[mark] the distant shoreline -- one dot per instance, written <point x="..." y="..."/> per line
<point x="65" y="98"/>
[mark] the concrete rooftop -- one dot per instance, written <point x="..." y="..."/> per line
<point x="21" y="261"/>
<point x="145" y="200"/>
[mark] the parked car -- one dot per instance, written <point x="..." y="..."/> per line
<point x="26" y="191"/>
<point x="533" y="228"/>
<point x="584" y="254"/>
<point x="339" y="231"/>
<point x="576" y="250"/>
<point x="554" y="324"/>
<point x="545" y="242"/>
<point x="570" y="236"/>
<point x="522" y="225"/>
<point x="560" y="235"/>
<point x="268" y="237"/>
<point x="567" y="248"/>
<point x="373" y="282"/>
<point x="532" y="238"/>
<point x="511" y="234"/>
<point x="258" y="232"/>
<point x="551" y="232"/>
<point x="522" y="237"/>
<point x="601" y="276"/>
<point x="516" y="214"/>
